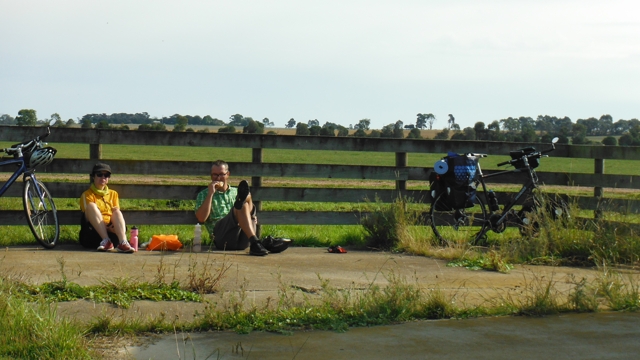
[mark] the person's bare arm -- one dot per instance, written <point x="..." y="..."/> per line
<point x="203" y="212"/>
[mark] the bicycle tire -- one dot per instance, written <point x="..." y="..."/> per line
<point x="449" y="224"/>
<point x="42" y="217"/>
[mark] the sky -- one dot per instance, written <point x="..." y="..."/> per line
<point x="331" y="60"/>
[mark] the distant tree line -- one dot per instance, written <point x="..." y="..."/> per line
<point x="521" y="129"/>
<point x="544" y="127"/>
<point x="144" y="118"/>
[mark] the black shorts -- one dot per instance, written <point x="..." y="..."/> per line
<point x="89" y="237"/>
<point x="227" y="234"/>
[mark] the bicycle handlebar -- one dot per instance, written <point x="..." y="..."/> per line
<point x="19" y="147"/>
<point x="45" y="135"/>
<point x="478" y="155"/>
<point x="548" y="150"/>
<point x="535" y="154"/>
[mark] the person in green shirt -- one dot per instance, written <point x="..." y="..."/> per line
<point x="228" y="212"/>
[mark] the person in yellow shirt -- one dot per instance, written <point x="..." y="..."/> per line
<point x="102" y="225"/>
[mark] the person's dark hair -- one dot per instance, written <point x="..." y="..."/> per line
<point x="220" y="163"/>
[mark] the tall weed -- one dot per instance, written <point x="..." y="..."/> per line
<point x="34" y="331"/>
<point x="614" y="243"/>
<point x="538" y="297"/>
<point x="621" y="294"/>
<point x="583" y="298"/>
<point x="552" y="238"/>
<point x="390" y="224"/>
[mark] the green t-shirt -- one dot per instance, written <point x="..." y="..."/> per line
<point x="221" y="204"/>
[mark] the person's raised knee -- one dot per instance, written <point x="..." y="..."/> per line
<point x="91" y="206"/>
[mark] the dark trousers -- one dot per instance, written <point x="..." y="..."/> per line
<point x="89" y="237"/>
<point x="227" y="234"/>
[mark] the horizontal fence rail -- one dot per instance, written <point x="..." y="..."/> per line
<point x="255" y="141"/>
<point x="257" y="170"/>
<point x="359" y="172"/>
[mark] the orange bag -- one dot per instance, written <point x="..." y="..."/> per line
<point x="164" y="242"/>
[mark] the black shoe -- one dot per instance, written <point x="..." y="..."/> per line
<point x="257" y="249"/>
<point x="243" y="192"/>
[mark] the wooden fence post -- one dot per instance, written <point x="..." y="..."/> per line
<point x="95" y="151"/>
<point x="402" y="159"/>
<point x="256" y="181"/>
<point x="598" y="192"/>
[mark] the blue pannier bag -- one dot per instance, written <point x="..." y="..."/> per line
<point x="463" y="168"/>
<point x="459" y="181"/>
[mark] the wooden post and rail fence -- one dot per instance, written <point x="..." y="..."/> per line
<point x="401" y="172"/>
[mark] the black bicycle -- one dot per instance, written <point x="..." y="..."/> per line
<point x="38" y="204"/>
<point x="457" y="212"/>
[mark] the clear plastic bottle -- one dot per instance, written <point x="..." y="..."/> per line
<point x="133" y="238"/>
<point x="197" y="238"/>
<point x="145" y="244"/>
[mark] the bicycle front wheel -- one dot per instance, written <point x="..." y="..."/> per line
<point x="41" y="213"/>
<point x="452" y="226"/>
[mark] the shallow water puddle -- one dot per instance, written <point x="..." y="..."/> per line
<point x="574" y="336"/>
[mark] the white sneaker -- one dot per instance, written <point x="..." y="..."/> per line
<point x="105" y="245"/>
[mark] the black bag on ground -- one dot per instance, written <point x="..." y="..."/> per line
<point x="276" y="245"/>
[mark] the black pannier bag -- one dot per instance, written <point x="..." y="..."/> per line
<point x="462" y="197"/>
<point x="438" y="186"/>
<point x="458" y="183"/>
<point x="517" y="154"/>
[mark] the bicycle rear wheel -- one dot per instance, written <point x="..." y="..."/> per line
<point x="453" y="225"/>
<point x="41" y="213"/>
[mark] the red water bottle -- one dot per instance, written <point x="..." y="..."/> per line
<point x="133" y="240"/>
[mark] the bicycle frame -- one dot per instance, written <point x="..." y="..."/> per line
<point x="526" y="189"/>
<point x="22" y="170"/>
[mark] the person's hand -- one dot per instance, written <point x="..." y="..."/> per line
<point x="215" y="185"/>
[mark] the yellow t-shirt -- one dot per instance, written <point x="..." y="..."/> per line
<point x="105" y="203"/>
